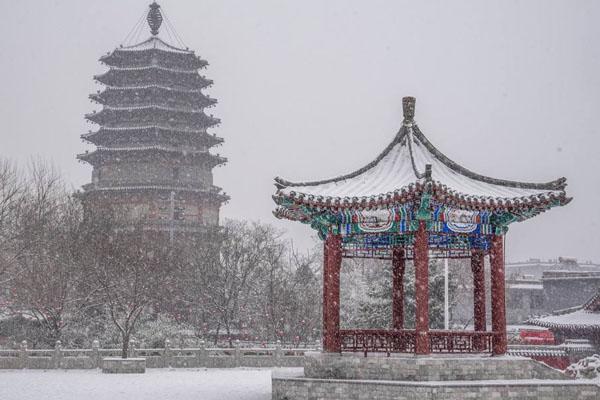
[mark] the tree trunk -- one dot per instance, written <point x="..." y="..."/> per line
<point x="229" y="335"/>
<point x="216" y="337"/>
<point x="125" y="348"/>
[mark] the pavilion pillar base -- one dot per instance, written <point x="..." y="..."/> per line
<point x="344" y="376"/>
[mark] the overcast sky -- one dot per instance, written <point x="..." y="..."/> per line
<point x="313" y="89"/>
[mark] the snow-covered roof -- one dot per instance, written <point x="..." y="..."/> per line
<point x="156" y="67"/>
<point x="111" y="114"/>
<point x="154" y="86"/>
<point x="579" y="318"/>
<point x="211" y="191"/>
<point x="90" y="156"/>
<point x="144" y="127"/>
<point x="154" y="43"/>
<point x="410" y="161"/>
<point x="154" y="107"/>
<point x="118" y="75"/>
<point x="152" y="147"/>
<point x="585" y="317"/>
<point x="526" y="286"/>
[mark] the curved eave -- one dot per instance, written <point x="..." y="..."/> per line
<point x="153" y="43"/>
<point x="110" y="114"/>
<point x="557" y="184"/>
<point x="412" y="192"/>
<point x="281" y="183"/>
<point x="570" y="327"/>
<point x="110" y="96"/>
<point x="146" y="107"/>
<point x="215" y="192"/>
<point x="106" y="135"/>
<point x="103" y="155"/>
<point x="154" y="86"/>
<point x="111" y="77"/>
<point x="152" y="67"/>
<point x="128" y="59"/>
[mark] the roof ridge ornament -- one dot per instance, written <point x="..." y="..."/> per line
<point x="408" y="108"/>
<point x="154" y="18"/>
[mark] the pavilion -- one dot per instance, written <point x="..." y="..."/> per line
<point x="413" y="202"/>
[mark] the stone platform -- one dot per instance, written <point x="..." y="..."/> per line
<point x="350" y="376"/>
<point x="114" y="365"/>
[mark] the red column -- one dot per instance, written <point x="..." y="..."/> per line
<point x="331" y="293"/>
<point x="421" y="260"/>
<point x="398" y="288"/>
<point x="477" y="267"/>
<point x="498" y="296"/>
<point x="478" y="290"/>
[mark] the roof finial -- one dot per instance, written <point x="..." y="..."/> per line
<point x="408" y="107"/>
<point x="154" y="18"/>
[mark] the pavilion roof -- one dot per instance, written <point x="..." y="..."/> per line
<point x="405" y="167"/>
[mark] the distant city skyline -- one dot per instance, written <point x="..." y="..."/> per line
<point x="311" y="90"/>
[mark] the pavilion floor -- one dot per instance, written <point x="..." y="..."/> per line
<point x="407" y="376"/>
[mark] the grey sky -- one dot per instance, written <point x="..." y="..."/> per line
<point x="312" y="89"/>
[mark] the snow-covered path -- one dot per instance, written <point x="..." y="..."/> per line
<point x="155" y="384"/>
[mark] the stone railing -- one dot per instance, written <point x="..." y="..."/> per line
<point x="377" y="340"/>
<point x="167" y="357"/>
<point x="460" y="341"/>
<point x="403" y="341"/>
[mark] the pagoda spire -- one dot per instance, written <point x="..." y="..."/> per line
<point x="154" y="18"/>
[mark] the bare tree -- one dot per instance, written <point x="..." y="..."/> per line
<point x="11" y="197"/>
<point x="219" y="285"/>
<point x="131" y="269"/>
<point x="47" y="284"/>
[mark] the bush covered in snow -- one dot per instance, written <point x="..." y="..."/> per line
<point x="152" y="332"/>
<point x="587" y="368"/>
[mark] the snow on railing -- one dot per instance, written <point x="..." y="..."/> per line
<point x="168" y="356"/>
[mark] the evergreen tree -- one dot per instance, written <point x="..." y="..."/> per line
<point x="375" y="310"/>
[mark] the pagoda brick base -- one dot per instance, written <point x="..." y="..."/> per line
<point x="349" y="376"/>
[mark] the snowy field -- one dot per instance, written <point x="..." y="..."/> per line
<point x="155" y="384"/>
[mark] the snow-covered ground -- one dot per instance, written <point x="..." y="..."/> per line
<point x="155" y="384"/>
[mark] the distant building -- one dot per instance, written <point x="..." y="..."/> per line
<point x="152" y="161"/>
<point x="539" y="287"/>
<point x="535" y="267"/>
<point x="581" y="322"/>
<point x="536" y="288"/>
<point x="576" y="331"/>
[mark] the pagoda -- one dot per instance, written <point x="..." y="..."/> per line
<point x="414" y="203"/>
<point x="152" y="161"/>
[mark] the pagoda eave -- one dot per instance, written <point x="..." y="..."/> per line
<point x="129" y="78"/>
<point x="153" y="44"/>
<point x="214" y="192"/>
<point x="103" y="156"/>
<point x="109" y="117"/>
<point x="104" y="137"/>
<point x="142" y="58"/>
<point x="152" y="95"/>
